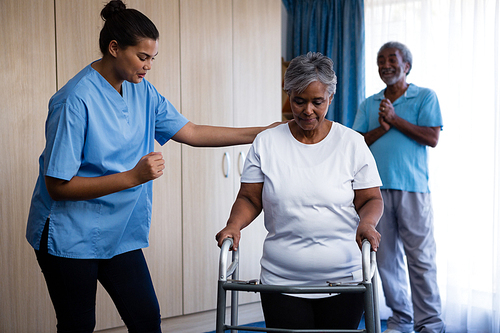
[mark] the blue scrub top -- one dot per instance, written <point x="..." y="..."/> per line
<point x="401" y="161"/>
<point x="92" y="131"/>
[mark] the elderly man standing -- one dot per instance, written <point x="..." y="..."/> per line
<point x="398" y="124"/>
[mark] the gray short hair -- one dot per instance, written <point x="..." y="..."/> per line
<point x="405" y="52"/>
<point x="305" y="69"/>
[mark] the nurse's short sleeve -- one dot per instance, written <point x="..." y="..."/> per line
<point x="252" y="172"/>
<point x="366" y="173"/>
<point x="65" y="138"/>
<point x="168" y="121"/>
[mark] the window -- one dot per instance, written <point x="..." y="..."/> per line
<point x="456" y="52"/>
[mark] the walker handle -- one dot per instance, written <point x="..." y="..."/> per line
<point x="369" y="261"/>
<point x="224" y="271"/>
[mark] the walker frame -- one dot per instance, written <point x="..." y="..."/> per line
<point x="368" y="287"/>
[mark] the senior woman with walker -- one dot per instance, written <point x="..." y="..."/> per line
<point x="318" y="186"/>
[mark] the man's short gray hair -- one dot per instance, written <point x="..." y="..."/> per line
<point x="305" y="69"/>
<point x="405" y="52"/>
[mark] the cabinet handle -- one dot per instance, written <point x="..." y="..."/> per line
<point x="241" y="162"/>
<point x="226" y="164"/>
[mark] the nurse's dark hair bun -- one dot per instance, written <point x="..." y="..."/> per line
<point x="111" y="8"/>
<point x="124" y="25"/>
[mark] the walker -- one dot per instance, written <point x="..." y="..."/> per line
<point x="368" y="287"/>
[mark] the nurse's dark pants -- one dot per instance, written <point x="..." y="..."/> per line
<point x="72" y="285"/>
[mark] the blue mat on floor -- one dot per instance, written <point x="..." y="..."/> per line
<point x="261" y="324"/>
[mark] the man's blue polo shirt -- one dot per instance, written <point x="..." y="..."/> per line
<point x="92" y="131"/>
<point x="402" y="162"/>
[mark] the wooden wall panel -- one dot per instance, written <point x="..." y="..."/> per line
<point x="28" y="65"/>
<point x="78" y="24"/>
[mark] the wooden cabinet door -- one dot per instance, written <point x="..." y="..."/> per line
<point x="207" y="98"/>
<point x="78" y="25"/>
<point x="231" y="78"/>
<point x="257" y="100"/>
<point x="164" y="254"/>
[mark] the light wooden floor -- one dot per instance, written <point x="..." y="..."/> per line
<point x="202" y="322"/>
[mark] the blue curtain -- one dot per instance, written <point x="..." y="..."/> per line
<point x="336" y="29"/>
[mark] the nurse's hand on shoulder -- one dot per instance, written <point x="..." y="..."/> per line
<point x="149" y="167"/>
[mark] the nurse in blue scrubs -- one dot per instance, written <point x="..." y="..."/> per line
<point x="91" y="208"/>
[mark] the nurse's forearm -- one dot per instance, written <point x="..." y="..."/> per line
<point x="86" y="188"/>
<point x="215" y="136"/>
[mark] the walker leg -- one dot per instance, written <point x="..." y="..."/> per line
<point x="378" y="328"/>
<point x="221" y="308"/>
<point x="369" y="309"/>
<point x="234" y="297"/>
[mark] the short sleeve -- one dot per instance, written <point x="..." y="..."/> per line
<point x="65" y="139"/>
<point x="366" y="173"/>
<point x="430" y="113"/>
<point x="168" y="120"/>
<point x="252" y="172"/>
<point x="361" y="120"/>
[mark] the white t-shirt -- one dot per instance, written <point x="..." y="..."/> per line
<point x="308" y="205"/>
